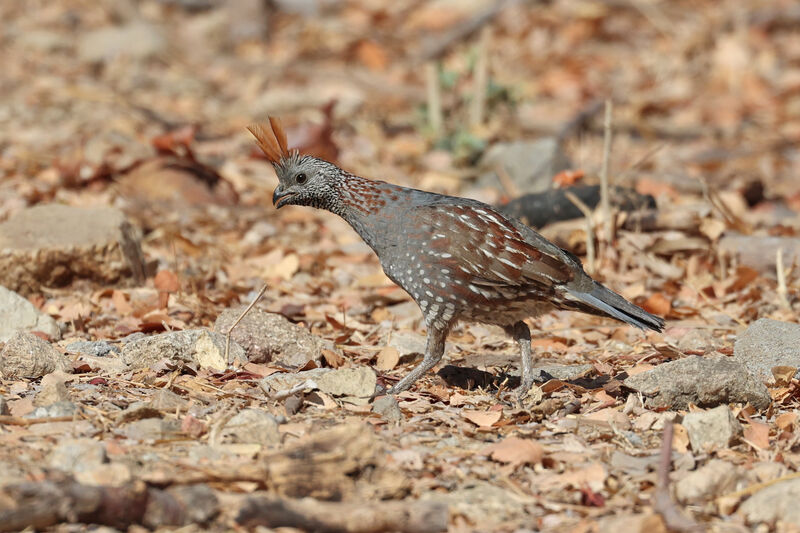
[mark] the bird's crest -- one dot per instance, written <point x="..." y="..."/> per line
<point x="271" y="139"/>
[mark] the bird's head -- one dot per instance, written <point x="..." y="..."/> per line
<point x="302" y="179"/>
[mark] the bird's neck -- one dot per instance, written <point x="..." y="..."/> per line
<point x="363" y="204"/>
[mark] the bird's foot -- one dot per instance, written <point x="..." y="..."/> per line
<point x="528" y="394"/>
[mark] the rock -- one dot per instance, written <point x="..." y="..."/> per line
<point x="55" y="410"/>
<point x="150" y="429"/>
<point x="350" y="382"/>
<point x="195" y="505"/>
<point x="562" y="372"/>
<point x="407" y="343"/>
<point x="766" y="344"/>
<point x="4" y="407"/>
<point x="760" y="251"/>
<point x="705" y="381"/>
<point x="18" y="314"/>
<point x="772" y="504"/>
<point x="27" y="356"/>
<point x="482" y="504"/>
<point x="531" y="165"/>
<point x="200" y="347"/>
<point x="271" y="337"/>
<point x="285" y="381"/>
<point x="166" y="400"/>
<point x="715" y="478"/>
<point x="76" y="455"/>
<point x="713" y="429"/>
<point x="53" y="389"/>
<point x="105" y="475"/>
<point x="252" y="426"/>
<point x="137" y="40"/>
<point x="50" y="245"/>
<point x="93" y="348"/>
<point x="632" y="523"/>
<point x="387" y="407"/>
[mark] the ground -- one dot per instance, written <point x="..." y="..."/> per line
<point x="141" y="107"/>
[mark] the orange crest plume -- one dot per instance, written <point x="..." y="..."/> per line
<point x="271" y="139"/>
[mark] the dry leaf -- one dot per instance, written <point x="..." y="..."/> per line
<point x="757" y="434"/>
<point x="515" y="451"/>
<point x="482" y="419"/>
<point x="783" y="375"/>
<point x="333" y="359"/>
<point x="565" y="178"/>
<point x="785" y="421"/>
<point x="658" y="304"/>
<point x="285" y="268"/>
<point x="680" y="439"/>
<point x="387" y="358"/>
<point x="372" y="55"/>
<point x="166" y="281"/>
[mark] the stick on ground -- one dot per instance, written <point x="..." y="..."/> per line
<point x="663" y="504"/>
<point x="239" y="319"/>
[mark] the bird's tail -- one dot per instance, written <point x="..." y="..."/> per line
<point x="604" y="302"/>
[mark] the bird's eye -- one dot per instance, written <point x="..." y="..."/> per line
<point x="300" y="178"/>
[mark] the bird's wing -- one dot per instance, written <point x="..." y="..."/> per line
<point x="491" y="249"/>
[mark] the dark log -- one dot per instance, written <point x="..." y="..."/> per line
<point x="540" y="209"/>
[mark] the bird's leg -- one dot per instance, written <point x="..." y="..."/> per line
<point x="433" y="354"/>
<point x="522" y="334"/>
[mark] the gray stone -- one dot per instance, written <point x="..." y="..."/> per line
<point x="200" y="347"/>
<point x="18" y="314"/>
<point x="713" y="429"/>
<point x="772" y="504"/>
<point x="4" y="407"/>
<point x="286" y="380"/>
<point x="766" y="344"/>
<point x="387" y="407"/>
<point x="271" y="337"/>
<point x="562" y="372"/>
<point x="137" y="40"/>
<point x="150" y="429"/>
<point x="27" y="356"/>
<point x="715" y="478"/>
<point x="531" y="165"/>
<point x="166" y="400"/>
<point x="50" y="245"/>
<point x="760" y="251"/>
<point x="407" y="343"/>
<point x="53" y="389"/>
<point x="74" y="455"/>
<point x="252" y="426"/>
<point x="704" y="381"/>
<point x="353" y="382"/>
<point x="93" y="348"/>
<point x="55" y="410"/>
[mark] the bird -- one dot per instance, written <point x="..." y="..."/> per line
<point x="458" y="258"/>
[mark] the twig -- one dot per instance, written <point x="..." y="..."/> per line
<point x="605" y="200"/>
<point x="587" y="213"/>
<point x="478" y="105"/>
<point x="780" y="272"/>
<point x="6" y="420"/>
<point x="752" y="489"/>
<point x="236" y="322"/>
<point x="434" y="95"/>
<point x="673" y="517"/>
<point x="303" y="385"/>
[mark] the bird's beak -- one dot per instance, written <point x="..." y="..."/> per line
<point x="280" y="197"/>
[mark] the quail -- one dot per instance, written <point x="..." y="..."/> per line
<point x="459" y="259"/>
